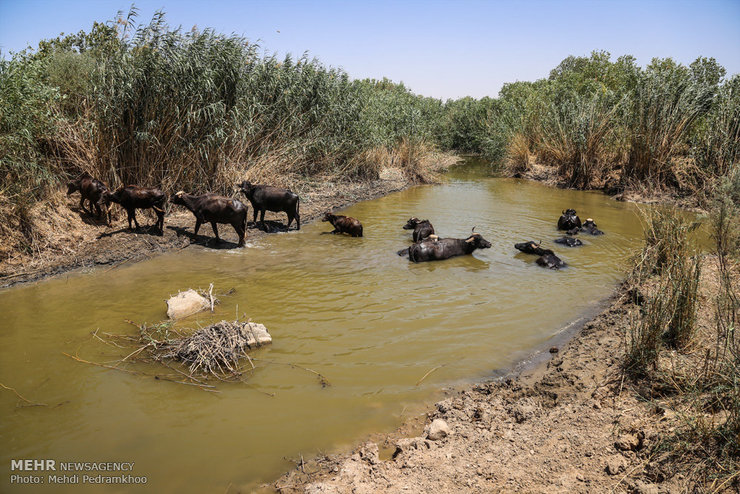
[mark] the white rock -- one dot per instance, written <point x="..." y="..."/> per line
<point x="438" y="429"/>
<point x="259" y="331"/>
<point x="186" y="304"/>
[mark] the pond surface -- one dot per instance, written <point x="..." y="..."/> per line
<point x="349" y="308"/>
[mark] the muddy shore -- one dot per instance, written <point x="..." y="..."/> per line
<point x="70" y="239"/>
<point x="574" y="422"/>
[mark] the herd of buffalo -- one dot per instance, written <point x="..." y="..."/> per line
<point x="215" y="209"/>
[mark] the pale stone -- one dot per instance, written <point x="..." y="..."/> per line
<point x="438" y="429"/>
<point x="260" y="333"/>
<point x="186" y="304"/>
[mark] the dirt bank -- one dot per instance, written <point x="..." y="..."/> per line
<point x="575" y="423"/>
<point x="610" y="185"/>
<point x="66" y="238"/>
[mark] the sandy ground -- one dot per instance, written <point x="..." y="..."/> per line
<point x="68" y="238"/>
<point x="574" y="423"/>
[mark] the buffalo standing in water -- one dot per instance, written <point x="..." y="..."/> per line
<point x="422" y="228"/>
<point x="269" y="198"/>
<point x="93" y="191"/>
<point x="344" y="224"/>
<point x="547" y="258"/>
<point x="132" y="198"/>
<point x="438" y="249"/>
<point x="213" y="209"/>
<point x="569" y="220"/>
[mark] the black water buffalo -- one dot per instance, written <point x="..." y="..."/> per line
<point x="590" y="227"/>
<point x="344" y="224"/>
<point x="422" y="228"/>
<point x="569" y="220"/>
<point x="92" y="190"/>
<point x="547" y="257"/>
<point x="551" y="261"/>
<point x="568" y="241"/>
<point x="214" y="209"/>
<point x="132" y="198"/>
<point x="267" y="198"/>
<point x="438" y="249"/>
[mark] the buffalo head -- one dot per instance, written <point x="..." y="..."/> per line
<point x="246" y="187"/>
<point x="177" y="198"/>
<point x="589" y="223"/>
<point x="530" y="247"/>
<point x="478" y="241"/>
<point x="411" y="223"/>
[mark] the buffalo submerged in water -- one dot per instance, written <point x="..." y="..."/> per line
<point x="547" y="258"/>
<point x="569" y="220"/>
<point x="438" y="249"/>
<point x="344" y="224"/>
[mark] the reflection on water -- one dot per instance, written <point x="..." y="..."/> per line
<point x="349" y="308"/>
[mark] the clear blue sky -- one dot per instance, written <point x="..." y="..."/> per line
<point x="443" y="49"/>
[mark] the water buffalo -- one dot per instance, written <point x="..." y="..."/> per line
<point x="438" y="249"/>
<point x="568" y="241"/>
<point x="569" y="220"/>
<point x="422" y="228"/>
<point x="92" y="190"/>
<point x="215" y="209"/>
<point x="131" y="198"/>
<point x="551" y="261"/>
<point x="344" y="224"/>
<point x="547" y="257"/>
<point x="267" y="198"/>
<point x="590" y="227"/>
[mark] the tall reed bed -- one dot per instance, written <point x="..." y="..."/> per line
<point x="604" y="123"/>
<point x="692" y="364"/>
<point x="666" y="270"/>
<point x="149" y="104"/>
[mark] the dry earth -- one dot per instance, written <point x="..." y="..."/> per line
<point x="575" y="423"/>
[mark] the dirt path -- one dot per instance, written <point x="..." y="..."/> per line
<point x="573" y="424"/>
<point x="67" y="238"/>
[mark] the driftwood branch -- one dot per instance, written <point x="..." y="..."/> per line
<point x="30" y="403"/>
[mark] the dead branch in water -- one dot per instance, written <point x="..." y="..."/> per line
<point x="204" y="387"/>
<point x="322" y="380"/>
<point x="30" y="403"/>
<point x="217" y="351"/>
<point x="427" y="374"/>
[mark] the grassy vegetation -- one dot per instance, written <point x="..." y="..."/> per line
<point x="612" y="124"/>
<point x="151" y="104"/>
<point x="692" y="368"/>
<point x="195" y="110"/>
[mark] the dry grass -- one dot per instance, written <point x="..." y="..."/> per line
<point x="684" y="348"/>
<point x="518" y="159"/>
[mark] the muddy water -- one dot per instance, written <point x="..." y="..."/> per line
<point x="371" y="322"/>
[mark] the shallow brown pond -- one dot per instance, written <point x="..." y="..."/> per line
<point x="371" y="322"/>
